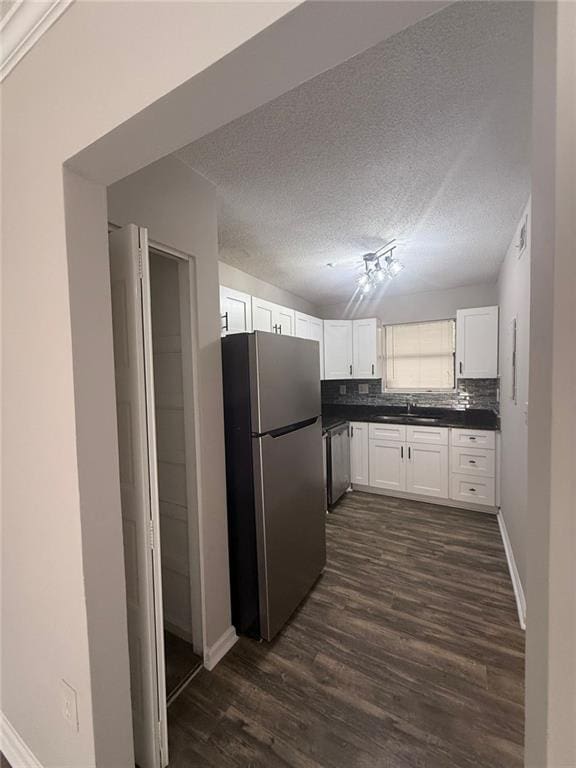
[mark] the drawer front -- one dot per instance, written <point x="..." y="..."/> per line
<point x="430" y="435"/>
<point x="477" y="462"/>
<point x="475" y="438"/>
<point x="387" y="432"/>
<point x="472" y="490"/>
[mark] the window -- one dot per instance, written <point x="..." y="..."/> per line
<point x="420" y="355"/>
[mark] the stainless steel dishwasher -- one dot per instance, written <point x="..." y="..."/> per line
<point x="338" y="461"/>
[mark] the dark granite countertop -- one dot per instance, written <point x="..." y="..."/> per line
<point x="470" y="418"/>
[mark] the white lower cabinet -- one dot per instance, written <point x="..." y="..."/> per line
<point x="359" y="467"/>
<point x="473" y="490"/>
<point x="424" y="461"/>
<point x="427" y="470"/>
<point x="387" y="464"/>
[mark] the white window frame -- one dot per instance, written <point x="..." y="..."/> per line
<point x="417" y="390"/>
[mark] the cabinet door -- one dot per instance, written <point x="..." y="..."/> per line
<point x="427" y="470"/>
<point x="284" y="320"/>
<point x="366" y="336"/>
<point x="235" y="311"/>
<point x="477" y="343"/>
<point x="338" y="349"/>
<point x="302" y="325"/>
<point x="263" y="315"/>
<point x="317" y="334"/>
<point x="359" y="453"/>
<point x="387" y="464"/>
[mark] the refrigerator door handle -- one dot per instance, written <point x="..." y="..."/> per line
<point x="290" y="428"/>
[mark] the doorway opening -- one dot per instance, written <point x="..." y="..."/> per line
<point x="154" y="350"/>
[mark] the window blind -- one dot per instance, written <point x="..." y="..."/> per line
<point x="420" y="355"/>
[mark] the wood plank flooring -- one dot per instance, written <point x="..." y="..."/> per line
<point x="407" y="654"/>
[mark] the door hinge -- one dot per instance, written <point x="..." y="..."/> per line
<point x="140" y="272"/>
<point x="151" y="532"/>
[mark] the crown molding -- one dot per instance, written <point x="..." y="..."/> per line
<point x="22" y="26"/>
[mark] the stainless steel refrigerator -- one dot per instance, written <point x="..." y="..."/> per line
<point x="274" y="474"/>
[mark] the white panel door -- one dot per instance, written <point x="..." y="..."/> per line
<point x="338" y="349"/>
<point x="235" y="311"/>
<point x="387" y="464"/>
<point x="366" y="337"/>
<point x="302" y="325"/>
<point x="317" y="334"/>
<point x="427" y="470"/>
<point x="360" y="470"/>
<point x="284" y="320"/>
<point x="477" y="343"/>
<point x="263" y="315"/>
<point x="130" y="283"/>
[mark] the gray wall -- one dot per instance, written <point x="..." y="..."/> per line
<point x="514" y="301"/>
<point x="415" y="307"/>
<point x="235" y="278"/>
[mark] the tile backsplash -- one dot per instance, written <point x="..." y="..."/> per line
<point x="470" y="393"/>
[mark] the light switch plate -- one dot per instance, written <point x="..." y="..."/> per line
<point x="69" y="705"/>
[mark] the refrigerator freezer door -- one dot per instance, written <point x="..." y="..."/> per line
<point x="286" y="387"/>
<point x="290" y="521"/>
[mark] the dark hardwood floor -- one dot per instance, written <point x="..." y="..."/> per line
<point x="181" y="662"/>
<point x="407" y="654"/>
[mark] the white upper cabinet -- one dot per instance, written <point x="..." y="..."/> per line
<point x="352" y="349"/>
<point x="308" y="327"/>
<point x="477" y="343"/>
<point x="267" y="316"/>
<point x="338" y="349"/>
<point x="367" y="345"/>
<point x="235" y="311"/>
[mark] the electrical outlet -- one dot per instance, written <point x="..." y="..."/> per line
<point x="363" y="389"/>
<point x="342" y="389"/>
<point x="69" y="705"/>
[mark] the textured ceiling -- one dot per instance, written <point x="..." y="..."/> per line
<point x="424" y="138"/>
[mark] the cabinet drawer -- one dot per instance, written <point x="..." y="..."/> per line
<point x="475" y="438"/>
<point x="472" y="490"/>
<point x="477" y="462"/>
<point x="430" y="435"/>
<point x="387" y="432"/>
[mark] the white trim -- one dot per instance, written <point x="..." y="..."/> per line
<point x="14" y="748"/>
<point x="439" y="501"/>
<point x="514" y="575"/>
<point x="22" y="27"/>
<point x="216" y="652"/>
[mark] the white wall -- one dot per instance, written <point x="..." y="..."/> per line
<point x="551" y="534"/>
<point x="63" y="616"/>
<point x="415" y="307"/>
<point x="514" y="301"/>
<point x="231" y="277"/>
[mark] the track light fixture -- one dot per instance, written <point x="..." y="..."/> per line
<point x="379" y="266"/>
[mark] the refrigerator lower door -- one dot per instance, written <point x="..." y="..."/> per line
<point x="290" y="521"/>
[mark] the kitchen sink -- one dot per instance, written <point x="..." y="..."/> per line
<point x="423" y="419"/>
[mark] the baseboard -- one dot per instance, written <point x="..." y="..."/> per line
<point x="14" y="748"/>
<point x="220" y="648"/>
<point x="514" y="575"/>
<point x="176" y="629"/>
<point x="439" y="501"/>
